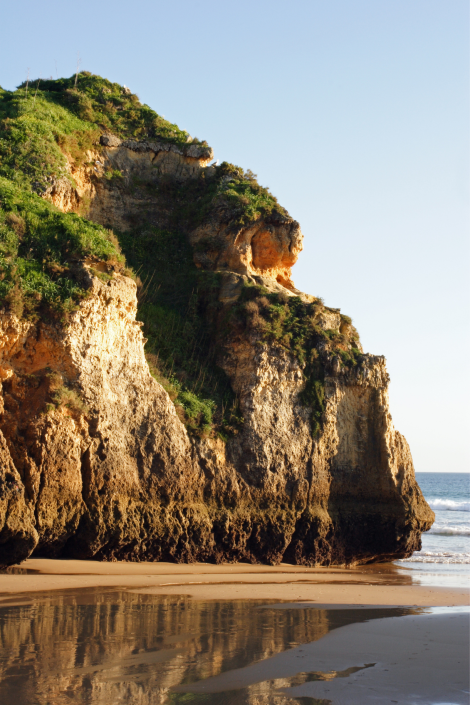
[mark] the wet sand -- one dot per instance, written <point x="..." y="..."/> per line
<point x="402" y="660"/>
<point x="398" y="659"/>
<point x="380" y="584"/>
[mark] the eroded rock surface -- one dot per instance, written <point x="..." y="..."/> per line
<point x="268" y="249"/>
<point x="124" y="480"/>
<point x="107" y="191"/>
<point x="116" y="475"/>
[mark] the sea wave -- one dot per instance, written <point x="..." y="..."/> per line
<point x="450" y="530"/>
<point x="438" y="557"/>
<point x="449" y="505"/>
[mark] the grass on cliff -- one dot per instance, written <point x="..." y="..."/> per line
<point x="64" y="396"/>
<point x="294" y="325"/>
<point x="179" y="307"/>
<point x="226" y="191"/>
<point x="42" y="121"/>
<point x="243" y="197"/>
<point x="41" y="248"/>
<point x="40" y="253"/>
<point x="47" y="119"/>
<point x="35" y="129"/>
<point x="111" y="107"/>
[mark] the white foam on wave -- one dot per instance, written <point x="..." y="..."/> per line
<point x="449" y="505"/>
<point x="450" y="530"/>
<point x="438" y="557"/>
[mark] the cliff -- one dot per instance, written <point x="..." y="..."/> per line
<point x="248" y="424"/>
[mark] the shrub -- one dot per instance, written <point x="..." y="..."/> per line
<point x="70" y="399"/>
<point x="244" y="197"/>
<point x="15" y="300"/>
<point x="179" y="307"/>
<point x="114" y="175"/>
<point x="103" y="103"/>
<point x="198" y="411"/>
<point x="171" y="386"/>
<point x="16" y="223"/>
<point x="256" y="321"/>
<point x="228" y="193"/>
<point x="263" y="302"/>
<point x="40" y="251"/>
<point x="291" y="323"/>
<point x="77" y="143"/>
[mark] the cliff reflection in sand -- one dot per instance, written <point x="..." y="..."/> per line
<point x="118" y="647"/>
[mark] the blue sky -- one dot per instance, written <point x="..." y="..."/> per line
<point x="355" y="113"/>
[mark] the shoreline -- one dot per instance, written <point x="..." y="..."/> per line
<point x="393" y="659"/>
<point x="377" y="584"/>
<point x="362" y="635"/>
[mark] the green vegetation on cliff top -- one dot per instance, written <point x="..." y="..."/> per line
<point x="42" y="249"/>
<point x="41" y="120"/>
<point x="230" y="190"/>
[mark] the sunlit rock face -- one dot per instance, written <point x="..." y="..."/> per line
<point x="268" y="249"/>
<point x="121" y="478"/>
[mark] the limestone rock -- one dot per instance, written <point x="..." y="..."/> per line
<point x="18" y="536"/>
<point x="268" y="248"/>
<point x="110" y="140"/>
<point x="118" y="476"/>
<point x="126" y="481"/>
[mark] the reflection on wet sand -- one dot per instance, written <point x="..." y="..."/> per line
<point x="109" y="647"/>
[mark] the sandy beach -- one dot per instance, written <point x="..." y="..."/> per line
<point x="378" y="584"/>
<point x="393" y="640"/>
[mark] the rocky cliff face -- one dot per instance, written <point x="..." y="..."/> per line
<point x="96" y="459"/>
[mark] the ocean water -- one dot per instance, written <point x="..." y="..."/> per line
<point x="446" y="547"/>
